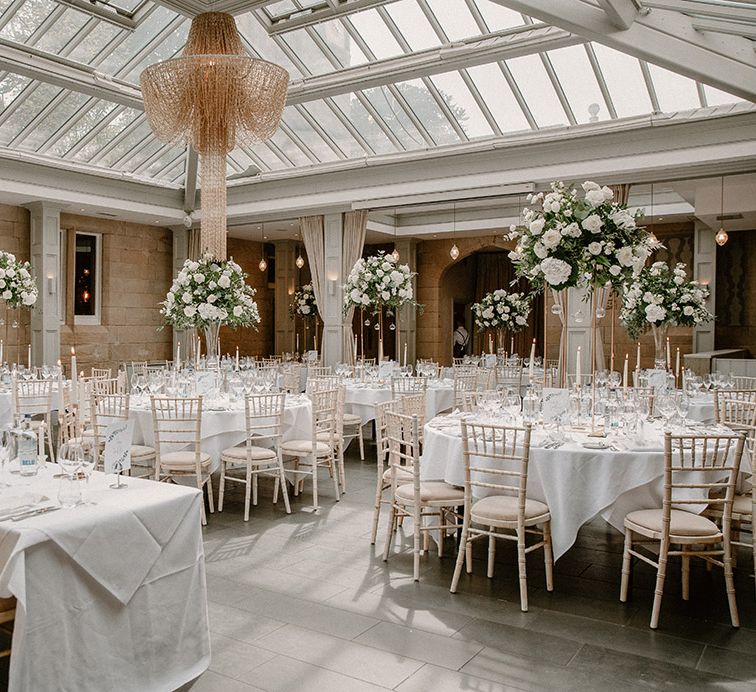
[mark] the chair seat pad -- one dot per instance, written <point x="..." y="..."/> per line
<point x="183" y="461"/>
<point x="505" y="507"/>
<point x="142" y="451"/>
<point x="300" y="447"/>
<point x="352" y="419"/>
<point x="743" y="504"/>
<point x="402" y="476"/>
<point x="432" y="491"/>
<point x="681" y="523"/>
<point x="253" y="454"/>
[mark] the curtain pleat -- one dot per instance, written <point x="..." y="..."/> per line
<point x="355" y="225"/>
<point x="312" y="234"/>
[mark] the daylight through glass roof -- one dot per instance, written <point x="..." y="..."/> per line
<point x="571" y="85"/>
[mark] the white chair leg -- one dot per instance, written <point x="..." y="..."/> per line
<point x="389" y="533"/>
<point x="661" y="573"/>
<point x="331" y="464"/>
<point x="315" y="483"/>
<point x="522" y="571"/>
<point x="686" y="577"/>
<point x="548" y="556"/>
<point x="221" y="485"/>
<point x="416" y="548"/>
<point x="210" y="500"/>
<point x="377" y="508"/>
<point x="254" y="490"/>
<point x="362" y="443"/>
<point x="491" y="554"/>
<point x="730" y="584"/>
<point x="247" y="486"/>
<point x="460" y="556"/>
<point x="626" y="565"/>
<point x="284" y="490"/>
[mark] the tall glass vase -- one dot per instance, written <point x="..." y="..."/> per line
<point x="660" y="345"/>
<point x="212" y="343"/>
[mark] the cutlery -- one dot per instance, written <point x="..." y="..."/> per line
<point x="15" y="510"/>
<point x="34" y="513"/>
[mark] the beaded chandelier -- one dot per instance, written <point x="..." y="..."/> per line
<point x="213" y="97"/>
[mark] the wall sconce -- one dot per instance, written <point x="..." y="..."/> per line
<point x="50" y="284"/>
<point x="332" y="287"/>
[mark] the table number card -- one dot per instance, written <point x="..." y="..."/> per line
<point x="656" y="378"/>
<point x="386" y="369"/>
<point x="206" y="382"/>
<point x="556" y="403"/>
<point x="118" y="438"/>
<point x="489" y="360"/>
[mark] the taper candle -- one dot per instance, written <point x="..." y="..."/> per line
<point x="624" y="374"/>
<point x="637" y="357"/>
<point x="578" y="367"/>
<point x="677" y="363"/>
<point x="532" y="359"/>
<point x="669" y="356"/>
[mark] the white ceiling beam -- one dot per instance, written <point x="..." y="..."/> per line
<point x="116" y="16"/>
<point x="719" y="26"/>
<point x="52" y="69"/>
<point x="621" y="13"/>
<point x="190" y="8"/>
<point x="740" y="13"/>
<point x="455" y="56"/>
<point x="661" y="37"/>
<point x="342" y="8"/>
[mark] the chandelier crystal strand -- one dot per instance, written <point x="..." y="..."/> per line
<point x="214" y="97"/>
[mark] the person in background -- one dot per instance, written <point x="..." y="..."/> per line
<point x="461" y="337"/>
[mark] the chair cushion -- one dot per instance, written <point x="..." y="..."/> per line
<point x="432" y="491"/>
<point x="183" y="460"/>
<point x="681" y="523"/>
<point x="743" y="504"/>
<point x="253" y="453"/>
<point x="304" y="447"/>
<point x="402" y="476"/>
<point x="140" y="451"/>
<point x="352" y="419"/>
<point x="504" y="508"/>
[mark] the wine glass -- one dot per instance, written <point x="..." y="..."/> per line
<point x="682" y="404"/>
<point x="666" y="405"/>
<point x="87" y="463"/>
<point x="615" y="379"/>
<point x="707" y="381"/>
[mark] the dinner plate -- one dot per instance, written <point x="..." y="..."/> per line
<point x="597" y="445"/>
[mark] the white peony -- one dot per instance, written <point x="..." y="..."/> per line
<point x="555" y="271"/>
<point x="594" y="248"/>
<point x="655" y="313"/>
<point x="238" y="310"/>
<point x="536" y="227"/>
<point x="551" y="238"/>
<point x="593" y="223"/>
<point x="625" y="256"/>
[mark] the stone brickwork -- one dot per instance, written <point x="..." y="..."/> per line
<point x="15" y="238"/>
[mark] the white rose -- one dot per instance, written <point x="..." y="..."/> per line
<point x="536" y="227"/>
<point x="2" y="273"/>
<point x="594" y="248"/>
<point x="187" y="297"/>
<point x="589" y="185"/>
<point x="7" y="295"/>
<point x="540" y="250"/>
<point x="572" y="230"/>
<point x="11" y="272"/>
<point x="615" y="270"/>
<point x="551" y="238"/>
<point x="190" y="310"/>
<point x="199" y="278"/>
<point x="305" y="310"/>
<point x="212" y="298"/>
<point x="29" y="298"/>
<point x="655" y="313"/>
<point x="238" y="310"/>
<point x="607" y="192"/>
<point x="594" y="197"/>
<point x="625" y="256"/>
<point x="592" y="223"/>
<point x="385" y="295"/>
<point x="224" y="281"/>
<point x="555" y="271"/>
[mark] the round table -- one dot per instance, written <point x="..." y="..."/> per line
<point x="576" y="483"/>
<point x="224" y="425"/>
<point x="361" y="397"/>
<point x="40" y="405"/>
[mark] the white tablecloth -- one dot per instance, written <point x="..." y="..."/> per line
<point x="222" y="429"/>
<point x="6" y="406"/>
<point x="110" y="596"/>
<point x="360" y="399"/>
<point x="702" y="408"/>
<point x="576" y="483"/>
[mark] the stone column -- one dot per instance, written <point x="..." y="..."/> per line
<point x="286" y="284"/>
<point x="705" y="271"/>
<point x="45" y="261"/>
<point x="180" y="255"/>
<point x="408" y="314"/>
<point x="332" y="340"/>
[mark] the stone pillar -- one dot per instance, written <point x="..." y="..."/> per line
<point x="180" y="255"/>
<point x="45" y="261"/>
<point x="705" y="271"/>
<point x="332" y="340"/>
<point x="286" y="284"/>
<point x="408" y="314"/>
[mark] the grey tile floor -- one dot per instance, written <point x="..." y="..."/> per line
<point x="304" y="602"/>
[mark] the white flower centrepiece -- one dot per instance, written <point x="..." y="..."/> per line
<point x="579" y="241"/>
<point x="662" y="296"/>
<point x="378" y="281"/>
<point x="502" y="310"/>
<point x="208" y="291"/>
<point x="303" y="303"/>
<point x="18" y="287"/>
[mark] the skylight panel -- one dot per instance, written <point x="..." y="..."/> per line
<point x="413" y="25"/>
<point x="108" y="134"/>
<point x="501" y="101"/>
<point x="395" y="117"/>
<point x="103" y="34"/>
<point x="455" y="18"/>
<point x="10" y="87"/>
<point x="427" y="110"/>
<point x="376" y="34"/>
<point x="496" y="17"/>
<point x="716" y="97"/>
<point x="624" y="79"/>
<point x="62" y="32"/>
<point x="308" y="52"/>
<point x="341" y="43"/>
<point x="81" y="127"/>
<point x="538" y="91"/>
<point x="462" y="104"/>
<point x="364" y="123"/>
<point x="308" y="135"/>
<point x="320" y="111"/>
<point x="28" y="19"/>
<point x="675" y="92"/>
<point x="25" y="109"/>
<point x="41" y="131"/>
<point x="578" y="81"/>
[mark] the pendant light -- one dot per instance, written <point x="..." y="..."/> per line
<point x="653" y="235"/>
<point x="300" y="260"/>
<point x="263" y="264"/>
<point x="454" y="252"/>
<point x="721" y="237"/>
<point x="395" y="253"/>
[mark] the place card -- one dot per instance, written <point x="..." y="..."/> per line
<point x="556" y="404"/>
<point x="118" y="438"/>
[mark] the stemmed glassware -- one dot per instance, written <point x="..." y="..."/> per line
<point x="666" y="405"/>
<point x="682" y="404"/>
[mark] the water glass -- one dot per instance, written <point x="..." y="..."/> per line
<point x="69" y="492"/>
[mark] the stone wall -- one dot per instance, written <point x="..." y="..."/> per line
<point x="15" y="237"/>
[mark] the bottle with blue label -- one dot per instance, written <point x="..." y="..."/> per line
<point x="26" y="448"/>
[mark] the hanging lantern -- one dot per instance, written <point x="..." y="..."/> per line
<point x="721" y="237"/>
<point x="454" y="252"/>
<point x="263" y="265"/>
<point x="299" y="261"/>
<point x="395" y="255"/>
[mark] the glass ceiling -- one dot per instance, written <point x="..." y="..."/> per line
<point x="565" y="87"/>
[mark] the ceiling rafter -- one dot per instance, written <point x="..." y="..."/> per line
<point x="663" y="37"/>
<point x="341" y="8"/>
<point x="621" y="13"/>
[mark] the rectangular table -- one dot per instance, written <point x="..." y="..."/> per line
<point x="111" y="596"/>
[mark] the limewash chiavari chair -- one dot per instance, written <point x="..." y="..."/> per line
<point x="261" y="452"/>
<point x="109" y="408"/>
<point x="485" y="378"/>
<point x="349" y="424"/>
<point x="732" y="396"/>
<point x="457" y="361"/>
<point x="416" y="499"/>
<point x="319" y="450"/>
<point x="496" y="459"/>
<point x="319" y="371"/>
<point x="290" y="380"/>
<point x="334" y="382"/>
<point x="408" y="385"/>
<point x="177" y="422"/>
<point x="34" y="398"/>
<point x="509" y="376"/>
<point x="465" y="380"/>
<point x="112" y="385"/>
<point x="102" y="373"/>
<point x="743" y="382"/>
<point x="383" y="479"/>
<point x="694" y="466"/>
<point x="470" y="402"/>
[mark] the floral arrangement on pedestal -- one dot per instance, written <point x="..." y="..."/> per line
<point x="303" y="303"/>
<point x="661" y="297"/>
<point x="569" y="240"/>
<point x="208" y="293"/>
<point x="18" y="287"/>
<point x="378" y="281"/>
<point x="501" y="310"/>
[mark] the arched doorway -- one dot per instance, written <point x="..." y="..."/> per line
<point x="466" y="281"/>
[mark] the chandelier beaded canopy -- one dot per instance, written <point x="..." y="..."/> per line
<point x="214" y="97"/>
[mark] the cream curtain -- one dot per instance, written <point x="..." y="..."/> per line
<point x="355" y="224"/>
<point x="194" y="244"/>
<point x="312" y="234"/>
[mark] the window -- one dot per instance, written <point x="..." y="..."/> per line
<point x="86" y="298"/>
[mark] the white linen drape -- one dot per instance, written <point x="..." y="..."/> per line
<point x="312" y="234"/>
<point x="355" y="224"/>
